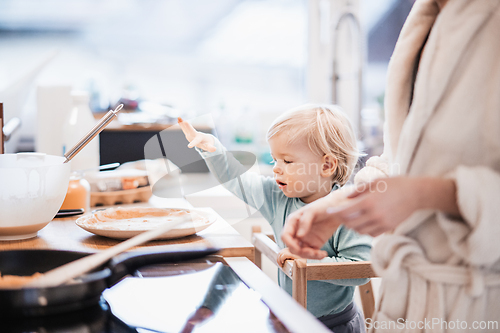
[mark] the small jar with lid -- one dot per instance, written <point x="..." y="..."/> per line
<point x="78" y="195"/>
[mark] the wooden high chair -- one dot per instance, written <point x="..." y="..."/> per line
<point x="300" y="271"/>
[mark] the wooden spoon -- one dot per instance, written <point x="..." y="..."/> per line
<point x="64" y="273"/>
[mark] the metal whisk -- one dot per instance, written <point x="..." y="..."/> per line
<point x="108" y="117"/>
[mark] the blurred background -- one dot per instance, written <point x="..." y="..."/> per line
<point x="241" y="61"/>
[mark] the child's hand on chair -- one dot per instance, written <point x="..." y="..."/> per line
<point x="285" y="254"/>
<point x="195" y="138"/>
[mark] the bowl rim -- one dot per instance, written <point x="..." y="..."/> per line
<point x="55" y="161"/>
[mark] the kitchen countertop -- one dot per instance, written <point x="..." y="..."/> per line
<point x="64" y="234"/>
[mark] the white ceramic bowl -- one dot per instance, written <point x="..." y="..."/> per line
<point x="32" y="189"/>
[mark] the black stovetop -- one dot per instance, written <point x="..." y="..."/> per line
<point x="165" y="298"/>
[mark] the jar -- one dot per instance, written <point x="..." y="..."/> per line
<point x="78" y="195"/>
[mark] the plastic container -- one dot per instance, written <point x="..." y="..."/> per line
<point x="78" y="195"/>
<point x="79" y="122"/>
<point x="53" y="105"/>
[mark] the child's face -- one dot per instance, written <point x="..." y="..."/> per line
<point x="297" y="170"/>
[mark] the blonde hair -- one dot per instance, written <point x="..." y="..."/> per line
<point x="327" y="131"/>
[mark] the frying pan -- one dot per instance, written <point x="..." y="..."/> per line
<point x="86" y="291"/>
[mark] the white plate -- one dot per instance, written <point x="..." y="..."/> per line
<point x="123" y="228"/>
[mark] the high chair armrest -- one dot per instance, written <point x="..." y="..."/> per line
<point x="340" y="270"/>
<point x="264" y="245"/>
<point x="300" y="271"/>
<point x="315" y="271"/>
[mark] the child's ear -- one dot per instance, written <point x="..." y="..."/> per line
<point x="329" y="165"/>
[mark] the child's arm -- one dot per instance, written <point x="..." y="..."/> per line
<point x="344" y="246"/>
<point x="256" y="190"/>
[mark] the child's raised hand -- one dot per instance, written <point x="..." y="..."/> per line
<point x="285" y="254"/>
<point x="195" y="138"/>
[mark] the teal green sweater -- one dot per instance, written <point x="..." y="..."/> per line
<point x="323" y="297"/>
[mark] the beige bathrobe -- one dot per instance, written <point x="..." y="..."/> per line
<point x="435" y="268"/>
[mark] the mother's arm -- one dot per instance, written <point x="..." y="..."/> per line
<point x="466" y="201"/>
<point x="381" y="205"/>
<point x="369" y="208"/>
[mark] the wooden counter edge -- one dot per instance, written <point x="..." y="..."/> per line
<point x="247" y="253"/>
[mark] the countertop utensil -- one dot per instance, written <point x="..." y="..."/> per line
<point x="69" y="212"/>
<point x="105" y="120"/>
<point x="62" y="274"/>
<point x="101" y="167"/>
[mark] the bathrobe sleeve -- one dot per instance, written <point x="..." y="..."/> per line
<point x="478" y="198"/>
<point x="376" y="167"/>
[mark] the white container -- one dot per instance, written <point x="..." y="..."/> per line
<point x="33" y="189"/>
<point x="78" y="123"/>
<point x="53" y="105"/>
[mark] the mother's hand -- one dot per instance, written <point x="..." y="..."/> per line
<point x="385" y="203"/>
<point x="307" y="229"/>
<point x="380" y="206"/>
